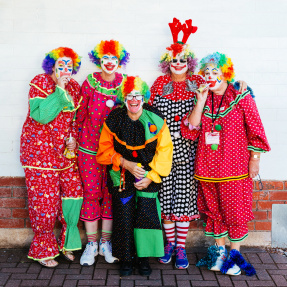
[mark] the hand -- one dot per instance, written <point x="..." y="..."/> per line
<point x="132" y="167"/>
<point x="143" y="184"/>
<point x="71" y="145"/>
<point x="253" y="167"/>
<point x="201" y="97"/>
<point x="62" y="82"/>
<point x="242" y="86"/>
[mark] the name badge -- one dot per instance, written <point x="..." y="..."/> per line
<point x="212" y="138"/>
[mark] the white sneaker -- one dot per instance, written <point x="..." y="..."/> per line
<point x="106" y="250"/>
<point x="235" y="270"/>
<point x="220" y="259"/>
<point x="91" y="251"/>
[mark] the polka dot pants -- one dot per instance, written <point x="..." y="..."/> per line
<point x="228" y="206"/>
<point x="97" y="202"/>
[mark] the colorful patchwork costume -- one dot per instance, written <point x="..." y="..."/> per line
<point x="136" y="213"/>
<point x="225" y="189"/>
<point x="53" y="183"/>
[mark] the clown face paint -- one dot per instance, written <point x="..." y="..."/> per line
<point x="109" y="63"/>
<point x="213" y="77"/>
<point x="134" y="101"/>
<point x="63" y="67"/>
<point x="178" y="65"/>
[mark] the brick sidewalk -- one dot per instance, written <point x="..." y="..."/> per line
<point x="17" y="270"/>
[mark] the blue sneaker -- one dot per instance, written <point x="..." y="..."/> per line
<point x="168" y="252"/>
<point x="181" y="261"/>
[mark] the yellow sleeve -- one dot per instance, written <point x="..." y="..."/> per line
<point x="162" y="160"/>
<point x="106" y="153"/>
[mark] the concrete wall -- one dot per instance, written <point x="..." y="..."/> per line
<point x="252" y="32"/>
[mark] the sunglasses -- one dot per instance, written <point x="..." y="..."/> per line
<point x="138" y="97"/>
<point x="181" y="60"/>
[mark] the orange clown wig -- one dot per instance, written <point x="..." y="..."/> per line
<point x="111" y="47"/>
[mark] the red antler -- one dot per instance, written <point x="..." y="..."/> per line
<point x="187" y="29"/>
<point x="175" y="28"/>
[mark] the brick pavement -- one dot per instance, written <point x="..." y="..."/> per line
<point x="17" y="270"/>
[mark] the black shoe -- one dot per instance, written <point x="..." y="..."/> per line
<point x="144" y="267"/>
<point x="126" y="268"/>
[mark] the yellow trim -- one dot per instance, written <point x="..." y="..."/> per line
<point x="31" y="84"/>
<point x="42" y="259"/>
<point x="75" y="108"/>
<point x="75" y="198"/>
<point x="136" y="147"/>
<point x="36" y="98"/>
<point x="222" y="179"/>
<point x="33" y="167"/>
<point x="65" y="249"/>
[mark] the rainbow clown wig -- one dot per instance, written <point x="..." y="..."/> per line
<point x="54" y="55"/>
<point x="171" y="53"/>
<point x="220" y="61"/>
<point x="111" y="47"/>
<point x="133" y="83"/>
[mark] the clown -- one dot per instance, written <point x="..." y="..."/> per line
<point x="53" y="182"/>
<point x="136" y="144"/>
<point x="173" y="95"/>
<point x="231" y="139"/>
<point x="99" y="92"/>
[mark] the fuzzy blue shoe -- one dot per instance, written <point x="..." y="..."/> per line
<point x="210" y="259"/>
<point x="168" y="252"/>
<point x="220" y="259"/>
<point x="236" y="261"/>
<point x="181" y="261"/>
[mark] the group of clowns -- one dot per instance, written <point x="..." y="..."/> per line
<point x="140" y="159"/>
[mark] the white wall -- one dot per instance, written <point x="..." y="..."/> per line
<point x="252" y="32"/>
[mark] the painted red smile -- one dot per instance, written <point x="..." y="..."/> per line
<point x="211" y="83"/>
<point x="178" y="68"/>
<point x="109" y="67"/>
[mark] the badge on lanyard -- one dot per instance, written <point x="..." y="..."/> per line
<point x="212" y="138"/>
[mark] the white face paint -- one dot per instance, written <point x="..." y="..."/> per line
<point x="134" y="101"/>
<point x="213" y="77"/>
<point x="63" y="67"/>
<point x="109" y="63"/>
<point x="178" y="65"/>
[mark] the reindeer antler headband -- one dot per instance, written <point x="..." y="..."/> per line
<point x="186" y="28"/>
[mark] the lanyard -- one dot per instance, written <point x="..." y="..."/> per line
<point x="216" y="116"/>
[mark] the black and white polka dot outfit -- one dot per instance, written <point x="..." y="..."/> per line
<point x="178" y="193"/>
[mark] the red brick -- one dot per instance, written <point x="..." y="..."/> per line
<point x="278" y="195"/>
<point x="263" y="225"/>
<point x="267" y="205"/>
<point x="200" y="225"/>
<point x="27" y="223"/>
<point x="12" y="202"/>
<point x="250" y="225"/>
<point x="270" y="185"/>
<point x="20" y="213"/>
<point x="260" y="195"/>
<point x="80" y="225"/>
<point x="269" y="215"/>
<point x="5" y="212"/>
<point x="5" y="192"/>
<point x="20" y="192"/>
<point x="254" y="205"/>
<point x="11" y="223"/>
<point x="260" y="215"/>
<point x="12" y="181"/>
